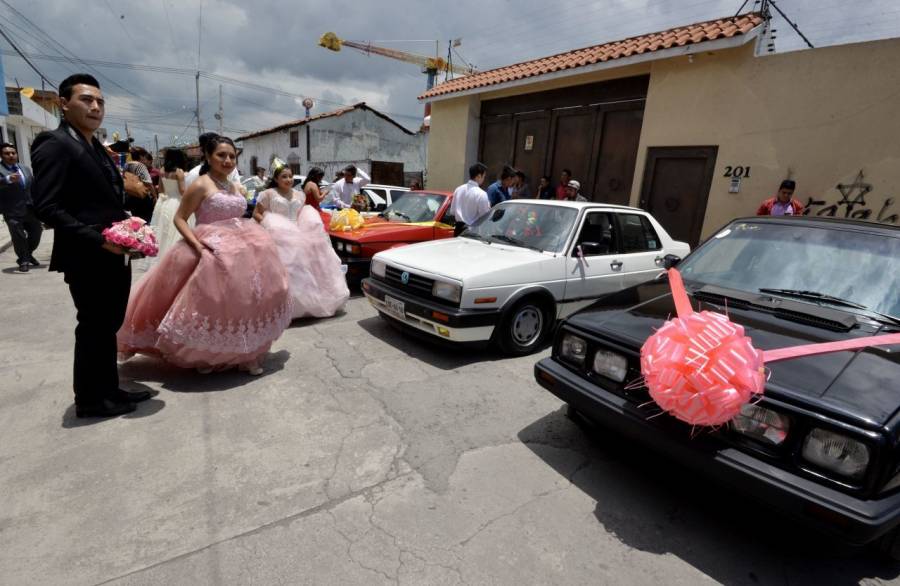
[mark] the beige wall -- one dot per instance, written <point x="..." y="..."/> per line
<point x="819" y="115"/>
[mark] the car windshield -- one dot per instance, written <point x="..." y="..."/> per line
<point x="805" y="262"/>
<point x="529" y="225"/>
<point x="415" y="208"/>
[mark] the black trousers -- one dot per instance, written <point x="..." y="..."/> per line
<point x="100" y="293"/>
<point x="26" y="234"/>
<point x="458" y="228"/>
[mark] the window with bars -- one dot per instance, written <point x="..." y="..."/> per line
<point x="295" y="139"/>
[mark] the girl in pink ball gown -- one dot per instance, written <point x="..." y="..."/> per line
<point x="219" y="297"/>
<point x="317" y="283"/>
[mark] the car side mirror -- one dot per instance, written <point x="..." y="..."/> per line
<point x="671" y="261"/>
<point x="594" y="248"/>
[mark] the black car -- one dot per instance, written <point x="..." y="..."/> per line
<point x="822" y="443"/>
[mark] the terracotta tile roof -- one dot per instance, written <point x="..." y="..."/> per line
<point x="700" y="32"/>
<point x="338" y="112"/>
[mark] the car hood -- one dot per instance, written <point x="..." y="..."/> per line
<point x="379" y="230"/>
<point x="858" y="387"/>
<point x="476" y="263"/>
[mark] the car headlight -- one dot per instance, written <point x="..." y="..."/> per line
<point x="611" y="365"/>
<point x="448" y="291"/>
<point x="378" y="268"/>
<point x="354" y="249"/>
<point x="837" y="453"/>
<point x="339" y="246"/>
<point x="761" y="424"/>
<point x="573" y="349"/>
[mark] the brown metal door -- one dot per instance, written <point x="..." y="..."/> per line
<point x="530" y="147"/>
<point x="385" y="173"/>
<point x="496" y="145"/>
<point x="676" y="188"/>
<point x="620" y="133"/>
<point x="573" y="139"/>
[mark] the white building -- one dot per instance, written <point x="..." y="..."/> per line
<point x="26" y="120"/>
<point x="358" y="135"/>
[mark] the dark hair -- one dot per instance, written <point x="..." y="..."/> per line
<point x="174" y="159"/>
<point x="209" y="147"/>
<point x="315" y="174"/>
<point x="788" y="184"/>
<point x="258" y="169"/>
<point x="273" y="180"/>
<point x="546" y="178"/>
<point x="204" y="138"/>
<point x="7" y="145"/>
<point x="350" y="169"/>
<point x="65" y="87"/>
<point x="508" y="172"/>
<point x="140" y="153"/>
<point x="567" y="172"/>
<point x="476" y="170"/>
<point x="520" y="175"/>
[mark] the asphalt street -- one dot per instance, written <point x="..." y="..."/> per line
<point x="361" y="456"/>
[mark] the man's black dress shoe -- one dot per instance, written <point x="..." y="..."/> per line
<point x="104" y="408"/>
<point x="34" y="262"/>
<point x="123" y="396"/>
<point x="23" y="268"/>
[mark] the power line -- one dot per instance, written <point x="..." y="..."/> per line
<point x="22" y="55"/>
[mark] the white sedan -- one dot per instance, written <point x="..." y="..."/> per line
<point x="509" y="277"/>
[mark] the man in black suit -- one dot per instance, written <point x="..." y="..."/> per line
<point x="15" y="205"/>
<point x="78" y="191"/>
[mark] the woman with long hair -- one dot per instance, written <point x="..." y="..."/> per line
<point x="310" y="187"/>
<point x="317" y="283"/>
<point x="219" y="297"/>
<point x="163" y="221"/>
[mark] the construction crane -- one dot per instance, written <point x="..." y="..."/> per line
<point x="430" y="65"/>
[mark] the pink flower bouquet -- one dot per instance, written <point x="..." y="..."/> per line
<point x="134" y="235"/>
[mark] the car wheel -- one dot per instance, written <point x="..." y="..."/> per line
<point x="523" y="327"/>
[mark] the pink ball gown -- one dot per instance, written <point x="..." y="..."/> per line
<point x="317" y="283"/>
<point x="218" y="310"/>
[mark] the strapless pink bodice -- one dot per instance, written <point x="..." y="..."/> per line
<point x="221" y="206"/>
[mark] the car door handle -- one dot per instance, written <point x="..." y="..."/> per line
<point x="659" y="261"/>
<point x="616" y="265"/>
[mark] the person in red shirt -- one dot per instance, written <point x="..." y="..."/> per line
<point x="782" y="204"/>
<point x="564" y="179"/>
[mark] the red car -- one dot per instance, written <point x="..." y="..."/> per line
<point x="417" y="216"/>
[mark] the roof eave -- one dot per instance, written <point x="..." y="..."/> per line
<point x="672" y="52"/>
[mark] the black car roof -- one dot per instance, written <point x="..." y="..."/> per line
<point x="826" y="222"/>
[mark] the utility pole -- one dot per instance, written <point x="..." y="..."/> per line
<point x="220" y="114"/>
<point x="197" y="111"/>
<point x="156" y="150"/>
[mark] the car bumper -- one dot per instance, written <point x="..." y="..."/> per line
<point x="460" y="325"/>
<point x="357" y="268"/>
<point x="853" y="520"/>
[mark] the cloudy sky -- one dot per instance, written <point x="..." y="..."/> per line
<point x="273" y="44"/>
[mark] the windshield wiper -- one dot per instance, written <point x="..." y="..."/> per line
<point x="401" y="214"/>
<point x="514" y="241"/>
<point x="815" y="296"/>
<point x="474" y="236"/>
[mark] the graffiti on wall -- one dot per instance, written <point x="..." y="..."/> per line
<point x="853" y="204"/>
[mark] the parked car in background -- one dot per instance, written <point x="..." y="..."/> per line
<point x="821" y="445"/>
<point x="382" y="196"/>
<point x="416" y="217"/>
<point x="509" y="277"/>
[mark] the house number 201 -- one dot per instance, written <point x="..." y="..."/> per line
<point x="737" y="171"/>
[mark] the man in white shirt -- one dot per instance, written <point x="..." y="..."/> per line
<point x="343" y="190"/>
<point x="470" y="201"/>
<point x="194" y="173"/>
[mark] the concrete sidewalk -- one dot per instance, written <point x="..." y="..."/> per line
<point x="359" y="457"/>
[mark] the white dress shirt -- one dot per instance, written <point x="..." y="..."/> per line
<point x="470" y="202"/>
<point x="342" y="193"/>
<point x="194" y="174"/>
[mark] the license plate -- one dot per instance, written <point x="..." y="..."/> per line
<point x="395" y="307"/>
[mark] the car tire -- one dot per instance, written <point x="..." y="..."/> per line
<point x="524" y="327"/>
<point x="889" y="544"/>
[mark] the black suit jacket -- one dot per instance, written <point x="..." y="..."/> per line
<point x="15" y="199"/>
<point x="77" y="195"/>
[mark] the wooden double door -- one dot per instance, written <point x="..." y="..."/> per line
<point x="592" y="130"/>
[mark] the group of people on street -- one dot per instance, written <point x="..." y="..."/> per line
<point x="17" y="208"/>
<point x="225" y="286"/>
